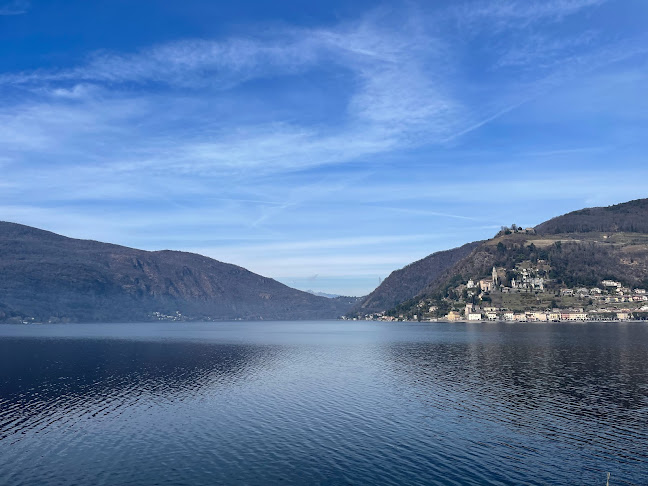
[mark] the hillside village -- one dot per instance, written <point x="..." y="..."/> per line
<point x="610" y="301"/>
<point x="527" y="289"/>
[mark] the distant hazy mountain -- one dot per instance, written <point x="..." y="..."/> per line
<point x="45" y="276"/>
<point x="324" y="294"/>
<point x="409" y="281"/>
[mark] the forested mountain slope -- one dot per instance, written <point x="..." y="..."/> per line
<point x="409" y="281"/>
<point x="629" y="217"/>
<point x="45" y="276"/>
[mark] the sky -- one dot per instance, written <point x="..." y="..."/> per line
<point x="323" y="144"/>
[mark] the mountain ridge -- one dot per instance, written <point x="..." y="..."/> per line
<point x="629" y="217"/>
<point x="45" y="276"/>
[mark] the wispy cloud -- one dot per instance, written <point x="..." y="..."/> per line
<point x="14" y="7"/>
<point x="192" y="63"/>
<point x="399" y="97"/>
<point x="331" y="243"/>
<point x="403" y="92"/>
<point x="517" y="14"/>
<point x="538" y="51"/>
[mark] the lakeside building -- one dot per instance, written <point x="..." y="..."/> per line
<point x="537" y="316"/>
<point x="556" y="315"/>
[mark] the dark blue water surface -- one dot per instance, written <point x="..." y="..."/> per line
<point x="324" y="403"/>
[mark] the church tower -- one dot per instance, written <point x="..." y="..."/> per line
<point x="495" y="277"/>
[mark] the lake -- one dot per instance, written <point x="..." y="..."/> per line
<point x="324" y="403"/>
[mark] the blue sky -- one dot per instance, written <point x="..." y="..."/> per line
<point x="323" y="144"/>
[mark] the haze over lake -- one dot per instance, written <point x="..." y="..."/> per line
<point x="324" y="403"/>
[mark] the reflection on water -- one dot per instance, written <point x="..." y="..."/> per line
<point x="324" y="403"/>
<point x="564" y="401"/>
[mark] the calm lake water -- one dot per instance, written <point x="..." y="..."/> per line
<point x="324" y="403"/>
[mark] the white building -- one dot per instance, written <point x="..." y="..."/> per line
<point x="610" y="283"/>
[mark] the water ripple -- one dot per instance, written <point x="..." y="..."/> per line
<point x="324" y="403"/>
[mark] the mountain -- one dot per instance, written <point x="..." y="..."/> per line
<point x="49" y="277"/>
<point x="323" y="294"/>
<point x="582" y="248"/>
<point x="630" y="217"/>
<point x="578" y="249"/>
<point x="411" y="280"/>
